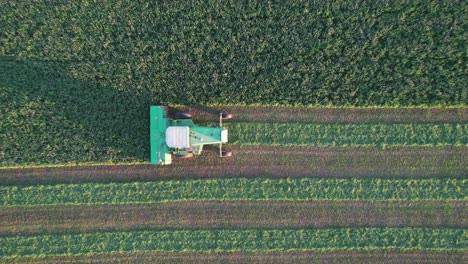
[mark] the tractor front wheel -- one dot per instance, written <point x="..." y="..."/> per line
<point x="226" y="115"/>
<point x="183" y="115"/>
<point x="226" y="154"/>
<point x="184" y="156"/>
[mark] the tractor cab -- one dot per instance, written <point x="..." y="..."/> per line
<point x="178" y="137"/>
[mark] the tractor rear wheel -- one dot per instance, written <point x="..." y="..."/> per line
<point x="226" y="154"/>
<point x="181" y="115"/>
<point x="226" y="115"/>
<point x="184" y="156"/>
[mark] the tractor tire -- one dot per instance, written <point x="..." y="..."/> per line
<point x="226" y="116"/>
<point x="184" y="156"/>
<point x="181" y="115"/>
<point x="226" y="154"/>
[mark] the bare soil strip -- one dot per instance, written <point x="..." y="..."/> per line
<point x="284" y="114"/>
<point x="268" y="161"/>
<point x="329" y="256"/>
<point x="230" y="215"/>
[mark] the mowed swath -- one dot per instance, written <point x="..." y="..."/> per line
<point x="236" y="240"/>
<point x="348" y="134"/>
<point x="230" y="215"/>
<point x="253" y="189"/>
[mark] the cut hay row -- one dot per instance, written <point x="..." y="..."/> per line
<point x="348" y="134"/>
<point x="232" y="189"/>
<point x="268" y="161"/>
<point x="235" y="240"/>
<point x="230" y="215"/>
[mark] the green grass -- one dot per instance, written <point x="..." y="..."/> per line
<point x="294" y="189"/>
<point x="347" y="134"/>
<point x="234" y="240"/>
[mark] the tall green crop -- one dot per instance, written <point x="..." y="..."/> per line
<point x="345" y="52"/>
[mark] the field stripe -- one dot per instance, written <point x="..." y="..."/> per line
<point x="235" y="240"/>
<point x="268" y="161"/>
<point x="230" y="215"/>
<point x="397" y="256"/>
<point x="253" y="189"/>
<point x="348" y="134"/>
<point x="329" y="115"/>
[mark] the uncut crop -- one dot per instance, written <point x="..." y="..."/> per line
<point x="295" y="189"/>
<point x="229" y="240"/>
<point x="403" y="52"/>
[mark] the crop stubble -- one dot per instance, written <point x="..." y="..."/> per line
<point x="396" y="256"/>
<point x="328" y="115"/>
<point x="231" y="215"/>
<point x="268" y="161"/>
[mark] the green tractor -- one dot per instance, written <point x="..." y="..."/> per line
<point x="181" y="137"/>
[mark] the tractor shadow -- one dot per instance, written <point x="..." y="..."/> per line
<point x="49" y="117"/>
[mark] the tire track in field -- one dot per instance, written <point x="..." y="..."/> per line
<point x="268" y="161"/>
<point x="230" y="215"/>
<point x="327" y="115"/>
<point x="301" y="257"/>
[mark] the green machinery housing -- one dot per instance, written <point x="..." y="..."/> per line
<point x="180" y="136"/>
